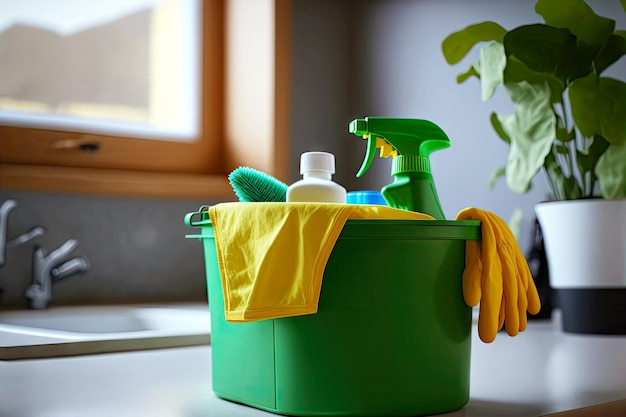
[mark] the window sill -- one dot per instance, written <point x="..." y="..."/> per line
<point x="112" y="182"/>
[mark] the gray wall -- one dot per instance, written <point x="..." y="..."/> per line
<point x="351" y="58"/>
<point x="320" y="85"/>
<point x="136" y="247"/>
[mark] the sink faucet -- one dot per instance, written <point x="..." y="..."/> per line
<point x="51" y="268"/>
<point x="5" y="209"/>
<point x="36" y="231"/>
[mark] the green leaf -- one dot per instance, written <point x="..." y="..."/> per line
<point x="613" y="49"/>
<point x="555" y="176"/>
<point x="458" y="44"/>
<point x="548" y="50"/>
<point x="587" y="161"/>
<point x="492" y="64"/>
<point x="611" y="172"/>
<point x="561" y="129"/>
<point x="599" y="107"/>
<point x="495" y="122"/>
<point x="516" y="71"/>
<point x="531" y="128"/>
<point x="562" y="133"/>
<point x="613" y="124"/>
<point x="500" y="172"/>
<point x="473" y="71"/>
<point x="583" y="95"/>
<point x="623" y="5"/>
<point x="571" y="188"/>
<point x="563" y="187"/>
<point x="562" y="149"/>
<point x="579" y="18"/>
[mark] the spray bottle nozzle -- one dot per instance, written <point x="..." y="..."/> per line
<point x="410" y="142"/>
<point x="408" y="137"/>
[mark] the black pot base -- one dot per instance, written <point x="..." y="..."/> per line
<point x="592" y="310"/>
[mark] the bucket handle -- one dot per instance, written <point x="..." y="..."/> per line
<point x="203" y="212"/>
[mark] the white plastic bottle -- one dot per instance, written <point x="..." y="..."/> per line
<point x="316" y="184"/>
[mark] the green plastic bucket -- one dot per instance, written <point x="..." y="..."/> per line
<point x="391" y="336"/>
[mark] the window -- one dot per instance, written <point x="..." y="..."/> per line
<point x="240" y="120"/>
<point x="123" y="67"/>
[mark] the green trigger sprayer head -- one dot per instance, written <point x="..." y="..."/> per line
<point x="410" y="142"/>
<point x="398" y="137"/>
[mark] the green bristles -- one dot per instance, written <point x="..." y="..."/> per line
<point x="251" y="185"/>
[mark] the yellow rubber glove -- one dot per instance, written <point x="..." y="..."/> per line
<point x="491" y="286"/>
<point x="528" y="295"/>
<point x="508" y="261"/>
<point x="496" y="275"/>
<point x="526" y="284"/>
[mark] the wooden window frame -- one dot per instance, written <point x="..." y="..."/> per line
<point x="29" y="159"/>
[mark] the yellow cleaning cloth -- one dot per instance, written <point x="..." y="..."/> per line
<point x="496" y="274"/>
<point x="272" y="256"/>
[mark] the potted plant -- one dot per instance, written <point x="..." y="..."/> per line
<point x="569" y="121"/>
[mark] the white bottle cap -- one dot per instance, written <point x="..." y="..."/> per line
<point x="317" y="161"/>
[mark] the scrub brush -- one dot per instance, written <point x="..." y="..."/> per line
<point x="251" y="185"/>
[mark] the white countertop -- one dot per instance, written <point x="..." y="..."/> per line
<point x="540" y="371"/>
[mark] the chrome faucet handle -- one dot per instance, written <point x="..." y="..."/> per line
<point x="69" y="268"/>
<point x="36" y="231"/>
<point x="51" y="268"/>
<point x="61" y="251"/>
<point x="5" y="209"/>
<point x="27" y="237"/>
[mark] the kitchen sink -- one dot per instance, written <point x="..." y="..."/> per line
<point x="81" y="330"/>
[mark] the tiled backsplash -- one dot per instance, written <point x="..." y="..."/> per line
<point x="136" y="248"/>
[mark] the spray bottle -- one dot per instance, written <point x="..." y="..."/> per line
<point x="410" y="142"/>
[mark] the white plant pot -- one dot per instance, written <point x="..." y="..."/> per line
<point x="585" y="243"/>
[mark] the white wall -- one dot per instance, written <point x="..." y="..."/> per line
<point x="398" y="70"/>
